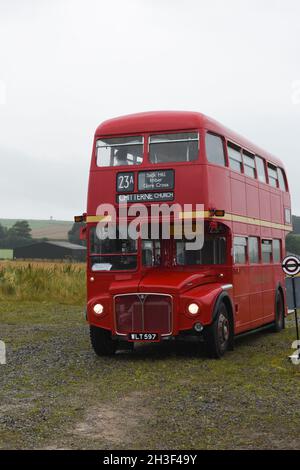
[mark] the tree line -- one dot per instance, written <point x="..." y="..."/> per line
<point x="17" y="235"/>
<point x="292" y="242"/>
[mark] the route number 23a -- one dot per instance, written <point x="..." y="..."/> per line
<point x="125" y="182"/>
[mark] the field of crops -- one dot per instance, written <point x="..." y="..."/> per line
<point x="56" y="394"/>
<point x="43" y="281"/>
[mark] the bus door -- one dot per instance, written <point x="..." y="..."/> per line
<point x="256" y="304"/>
<point x="240" y="277"/>
<point x="267" y="281"/>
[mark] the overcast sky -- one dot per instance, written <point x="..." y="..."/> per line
<point x="67" y="65"/>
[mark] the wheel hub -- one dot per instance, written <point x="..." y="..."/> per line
<point x="223" y="329"/>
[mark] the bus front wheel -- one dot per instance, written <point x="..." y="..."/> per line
<point x="218" y="335"/>
<point x="102" y="342"/>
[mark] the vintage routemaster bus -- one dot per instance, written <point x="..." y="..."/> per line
<point x="156" y="289"/>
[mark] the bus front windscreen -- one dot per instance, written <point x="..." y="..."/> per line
<point x="182" y="147"/>
<point x="112" y="254"/>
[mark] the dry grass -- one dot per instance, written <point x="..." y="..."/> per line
<point x="43" y="281"/>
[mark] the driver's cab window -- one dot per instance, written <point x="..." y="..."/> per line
<point x="151" y="253"/>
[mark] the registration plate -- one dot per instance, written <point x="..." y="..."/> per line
<point x="143" y="337"/>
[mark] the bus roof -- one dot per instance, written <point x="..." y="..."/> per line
<point x="157" y="121"/>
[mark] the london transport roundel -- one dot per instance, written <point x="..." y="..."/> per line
<point x="291" y="265"/>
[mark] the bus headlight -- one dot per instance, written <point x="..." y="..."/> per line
<point x="98" y="309"/>
<point x="193" y="308"/>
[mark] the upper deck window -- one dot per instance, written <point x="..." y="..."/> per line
<point x="235" y="157"/>
<point x="215" y="149"/>
<point x="260" y="166"/>
<point x="120" y="151"/>
<point x="273" y="176"/>
<point x="168" y="148"/>
<point x="249" y="164"/>
<point x="281" y="179"/>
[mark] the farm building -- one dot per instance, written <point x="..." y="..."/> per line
<point x="51" y="250"/>
<point x="6" y="254"/>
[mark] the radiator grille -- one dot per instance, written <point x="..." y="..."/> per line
<point x="143" y="313"/>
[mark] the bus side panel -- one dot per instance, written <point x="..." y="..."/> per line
<point x="256" y="296"/>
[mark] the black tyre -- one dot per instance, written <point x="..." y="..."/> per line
<point x="180" y="347"/>
<point x="219" y="335"/>
<point x="126" y="346"/>
<point x="102" y="342"/>
<point x="279" y="313"/>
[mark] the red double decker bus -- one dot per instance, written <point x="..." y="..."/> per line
<point x="157" y="289"/>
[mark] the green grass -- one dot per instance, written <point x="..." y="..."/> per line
<point x="55" y="393"/>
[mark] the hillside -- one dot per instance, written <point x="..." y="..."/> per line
<point x="58" y="229"/>
<point x="52" y="229"/>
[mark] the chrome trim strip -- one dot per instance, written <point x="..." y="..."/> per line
<point x="172" y="140"/>
<point x="227" y="286"/>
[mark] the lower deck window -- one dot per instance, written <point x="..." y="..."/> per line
<point x="212" y="252"/>
<point x="253" y="250"/>
<point x="240" y="250"/>
<point x="276" y="251"/>
<point x="266" y="251"/>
